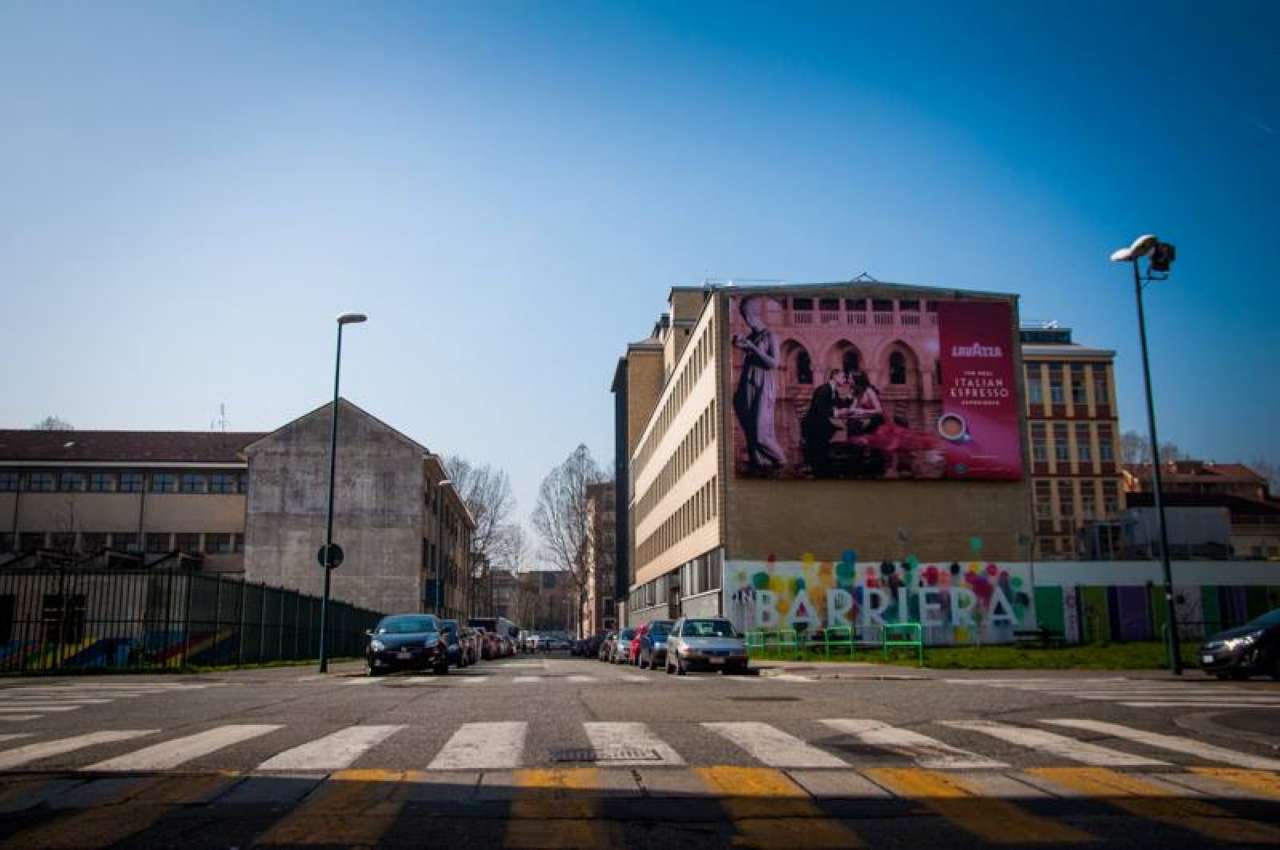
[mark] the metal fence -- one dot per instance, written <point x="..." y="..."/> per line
<point x="67" y="620"/>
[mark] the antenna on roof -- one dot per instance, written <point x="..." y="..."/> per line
<point x="864" y="277"/>
<point x="220" y="424"/>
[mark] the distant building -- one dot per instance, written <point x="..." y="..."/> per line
<point x="505" y="588"/>
<point x="1074" y="433"/>
<point x="598" y="609"/>
<point x="1199" y="478"/>
<point x="406" y="537"/>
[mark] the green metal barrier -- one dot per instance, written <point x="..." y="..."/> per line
<point x="894" y="636"/>
<point x="837" y="636"/>
<point x="788" y="641"/>
<point x="755" y="643"/>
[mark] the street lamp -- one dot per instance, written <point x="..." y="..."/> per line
<point x="439" y="538"/>
<point x="1160" y="255"/>
<point x="327" y="554"/>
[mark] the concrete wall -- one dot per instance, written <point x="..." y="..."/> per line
<point x="378" y="510"/>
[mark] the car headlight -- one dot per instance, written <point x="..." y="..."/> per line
<point x="377" y="645"/>
<point x="1232" y="644"/>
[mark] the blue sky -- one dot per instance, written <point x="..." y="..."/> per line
<point x="189" y="192"/>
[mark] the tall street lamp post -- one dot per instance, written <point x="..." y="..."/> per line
<point x="1160" y="256"/>
<point x="440" y="540"/>
<point x="327" y="554"/>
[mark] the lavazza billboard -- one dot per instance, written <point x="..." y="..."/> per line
<point x="874" y="388"/>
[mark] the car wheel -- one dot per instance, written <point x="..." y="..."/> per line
<point x="644" y="665"/>
<point x="441" y="669"/>
<point x="667" y="667"/>
<point x="370" y="670"/>
<point x="682" y="669"/>
<point x="1275" y="667"/>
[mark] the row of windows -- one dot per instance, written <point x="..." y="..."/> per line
<point x="701" y="435"/>
<point x="697" y="511"/>
<point x="878" y="305"/>
<point x="1086" y="446"/>
<point x="1062" y="380"/>
<point x="1071" y="499"/>
<point x="153" y="543"/>
<point x="701" y="353"/>
<point x="701" y="575"/>
<point x="128" y="481"/>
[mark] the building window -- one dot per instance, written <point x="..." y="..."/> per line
<point x="238" y="542"/>
<point x="1043" y="500"/>
<point x="93" y="541"/>
<point x="1055" y="385"/>
<point x="40" y="482"/>
<point x="189" y="543"/>
<point x="1084" y="451"/>
<point x="1088" y="500"/>
<point x="157" y="544"/>
<point x="192" y="483"/>
<point x="8" y="482"/>
<point x="801" y="303"/>
<point x="1039" y="443"/>
<point x="1101" y="396"/>
<point x="1035" y="391"/>
<point x="164" y="482"/>
<point x="124" y="542"/>
<point x="71" y="482"/>
<point x="1066" y="500"/>
<point x="102" y="482"/>
<point x="131" y="482"/>
<point x="1078" y="395"/>
<point x="1061" y="449"/>
<point x="1110" y="498"/>
<point x="242" y="483"/>
<point x="1106" y="452"/>
<point x="222" y="482"/>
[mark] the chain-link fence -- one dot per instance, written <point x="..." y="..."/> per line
<point x="74" y="620"/>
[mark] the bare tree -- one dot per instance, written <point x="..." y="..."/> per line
<point x="1269" y="471"/>
<point x="561" y="517"/>
<point x="1135" y="450"/>
<point x="52" y="423"/>
<point x="487" y="494"/>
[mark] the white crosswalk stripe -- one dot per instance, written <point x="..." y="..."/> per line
<point x="483" y="746"/>
<point x="23" y="703"/>
<point x="582" y="679"/>
<point x="525" y="680"/>
<point x="611" y="739"/>
<point x="1053" y="744"/>
<point x="923" y="750"/>
<point x="774" y="747"/>
<point x="332" y="752"/>
<point x="476" y="680"/>
<point x="171" y="754"/>
<point x="1136" y="693"/>
<point x="20" y="756"/>
<point x="1173" y="743"/>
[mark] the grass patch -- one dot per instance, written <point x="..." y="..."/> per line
<point x="1137" y="655"/>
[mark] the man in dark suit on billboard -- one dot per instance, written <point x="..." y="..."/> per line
<point x="817" y="427"/>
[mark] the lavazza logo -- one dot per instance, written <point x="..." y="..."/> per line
<point x="977" y="350"/>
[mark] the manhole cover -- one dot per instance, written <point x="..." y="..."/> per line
<point x="613" y="754"/>
<point x="765" y="699"/>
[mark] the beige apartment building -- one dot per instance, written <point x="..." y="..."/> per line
<point x="1074" y="432"/>
<point x="698" y="501"/>
<point x="599" y="613"/>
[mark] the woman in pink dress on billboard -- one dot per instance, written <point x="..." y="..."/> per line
<point x="753" y="401"/>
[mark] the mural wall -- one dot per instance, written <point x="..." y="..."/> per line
<point x="874" y="388"/>
<point x="956" y="602"/>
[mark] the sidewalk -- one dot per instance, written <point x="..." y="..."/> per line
<point x="841" y="670"/>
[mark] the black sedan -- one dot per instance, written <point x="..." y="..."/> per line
<point x="407" y="642"/>
<point x="1249" y="650"/>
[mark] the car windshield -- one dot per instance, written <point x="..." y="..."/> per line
<point x="1271" y="618"/>
<point x="406" y="625"/>
<point x="451" y="626"/>
<point x="627" y="634"/>
<point x="660" y="629"/>
<point x="708" y="628"/>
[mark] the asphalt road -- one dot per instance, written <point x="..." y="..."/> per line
<point x="565" y="752"/>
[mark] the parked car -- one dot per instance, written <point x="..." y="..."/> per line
<point x="470" y="644"/>
<point x="653" y="644"/>
<point x="453" y="632"/>
<point x="633" y="651"/>
<point x="605" y="653"/>
<point x="709" y="642"/>
<point x="1249" y="650"/>
<point x="622" y="646"/>
<point x="407" y="642"/>
<point x="592" y="649"/>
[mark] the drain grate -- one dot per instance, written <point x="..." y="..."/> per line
<point x="588" y="754"/>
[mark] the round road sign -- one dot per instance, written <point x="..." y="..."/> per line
<point x="335" y="555"/>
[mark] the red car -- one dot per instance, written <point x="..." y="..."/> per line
<point x="633" y="651"/>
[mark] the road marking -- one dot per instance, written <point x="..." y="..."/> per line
<point x="1199" y="704"/>
<point x="332" y="752"/>
<point x="19" y="756"/>
<point x="475" y="680"/>
<point x="1159" y="802"/>
<point x="991" y="819"/>
<point x="15" y="718"/>
<point x="129" y="813"/>
<point x="1170" y="742"/>
<point x="925" y="751"/>
<point x="613" y="737"/>
<point x="423" y="680"/>
<point x="551" y="810"/>
<point x="632" y="677"/>
<point x="483" y="746"/>
<point x="41" y="707"/>
<point x="792" y="677"/>
<point x="580" y="678"/>
<point x="773" y="746"/>
<point x="770" y="810"/>
<point x="171" y="754"/>
<point x="1260" y="782"/>
<point x="1058" y="745"/>
<point x="353" y="809"/>
<point x="367" y="680"/>
<point x="525" y="680"/>
<point x="24" y="702"/>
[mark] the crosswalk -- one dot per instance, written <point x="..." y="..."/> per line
<point x="23" y="703"/>
<point x="837" y="743"/>
<point x="521" y="679"/>
<point x="1139" y="693"/>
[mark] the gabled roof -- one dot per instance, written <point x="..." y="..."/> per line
<point x="347" y="404"/>
<point x="31" y="446"/>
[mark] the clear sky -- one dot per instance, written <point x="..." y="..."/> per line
<point x="191" y="191"/>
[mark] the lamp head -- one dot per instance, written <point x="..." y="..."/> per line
<point x="1140" y="248"/>
<point x="352" y="318"/>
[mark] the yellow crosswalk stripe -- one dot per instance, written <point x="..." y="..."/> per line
<point x="768" y="810"/>
<point x="994" y="820"/>
<point x="353" y="809"/>
<point x="1157" y="802"/>
<point x="555" y="808"/>
<point x="1262" y="782"/>
<point x="132" y="812"/>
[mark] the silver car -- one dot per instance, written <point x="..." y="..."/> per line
<point x="709" y="642"/>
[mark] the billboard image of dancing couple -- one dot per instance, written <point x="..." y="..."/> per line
<point x="867" y="387"/>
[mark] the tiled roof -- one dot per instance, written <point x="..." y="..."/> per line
<point x="1194" y="470"/>
<point x="32" y="446"/>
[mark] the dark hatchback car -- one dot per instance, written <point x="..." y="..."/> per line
<point x="407" y="642"/>
<point x="653" y="644"/>
<point x="452" y="630"/>
<point x="1249" y="650"/>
